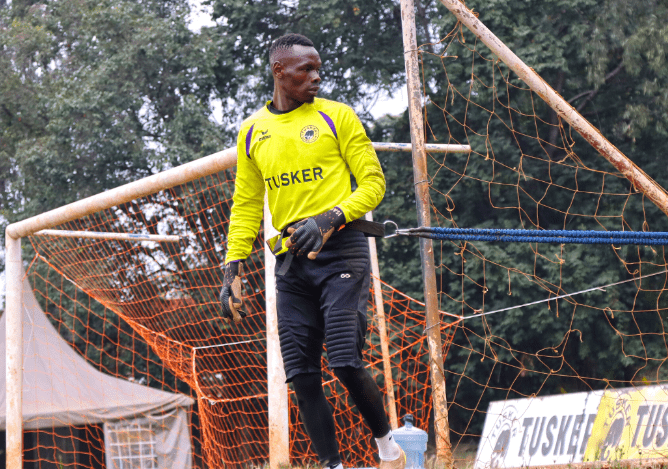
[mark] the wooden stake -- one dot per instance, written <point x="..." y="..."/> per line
<point x="422" y="200"/>
<point x="382" y="331"/>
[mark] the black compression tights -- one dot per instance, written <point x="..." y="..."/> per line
<point x="316" y="414"/>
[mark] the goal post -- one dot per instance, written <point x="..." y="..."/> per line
<point x="14" y="352"/>
<point x="277" y="389"/>
<point x="14" y="233"/>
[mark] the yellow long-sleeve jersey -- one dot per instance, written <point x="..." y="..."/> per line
<point x="303" y="160"/>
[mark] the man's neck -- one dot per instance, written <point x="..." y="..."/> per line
<point x="283" y="103"/>
<point x="273" y="109"/>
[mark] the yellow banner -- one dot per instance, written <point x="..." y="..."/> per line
<point x="630" y="424"/>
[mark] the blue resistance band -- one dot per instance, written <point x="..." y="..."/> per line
<point x="534" y="236"/>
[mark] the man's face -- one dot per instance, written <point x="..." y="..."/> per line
<point x="297" y="73"/>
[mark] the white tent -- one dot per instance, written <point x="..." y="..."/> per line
<point x="61" y="389"/>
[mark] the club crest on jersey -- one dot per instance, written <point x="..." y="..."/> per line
<point x="309" y="134"/>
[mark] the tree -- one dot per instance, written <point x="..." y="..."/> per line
<point x="95" y="94"/>
<point x="359" y="43"/>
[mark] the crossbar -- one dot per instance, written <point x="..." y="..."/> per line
<point x="141" y="188"/>
<point x="429" y="147"/>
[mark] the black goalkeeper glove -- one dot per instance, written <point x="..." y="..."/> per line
<point x="231" y="300"/>
<point x="311" y="234"/>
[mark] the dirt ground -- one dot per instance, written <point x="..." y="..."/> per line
<point x="464" y="455"/>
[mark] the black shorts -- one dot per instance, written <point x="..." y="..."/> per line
<point x="324" y="301"/>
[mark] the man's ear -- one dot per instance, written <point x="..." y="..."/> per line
<point x="277" y="69"/>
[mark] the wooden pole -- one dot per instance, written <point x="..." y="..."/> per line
<point x="14" y="353"/>
<point x="382" y="332"/>
<point x="422" y="200"/>
<point x="633" y="173"/>
<point x="279" y="417"/>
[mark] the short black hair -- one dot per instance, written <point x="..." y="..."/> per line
<point x="287" y="41"/>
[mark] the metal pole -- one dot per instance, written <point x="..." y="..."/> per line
<point x="106" y="235"/>
<point x="432" y="329"/>
<point x="382" y="331"/>
<point x="14" y="353"/>
<point x="633" y="173"/>
<point x="432" y="147"/>
<point x="279" y="418"/>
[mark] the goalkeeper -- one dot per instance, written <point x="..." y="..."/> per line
<point x="300" y="151"/>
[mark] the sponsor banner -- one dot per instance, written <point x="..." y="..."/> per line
<point x="538" y="431"/>
<point x="631" y="424"/>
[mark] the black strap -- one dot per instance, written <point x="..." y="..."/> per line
<point x="285" y="265"/>
<point x="369" y="228"/>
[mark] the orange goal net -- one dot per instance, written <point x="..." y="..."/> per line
<point x="148" y="312"/>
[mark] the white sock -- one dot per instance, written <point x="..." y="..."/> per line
<point x="338" y="466"/>
<point x="388" y="448"/>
